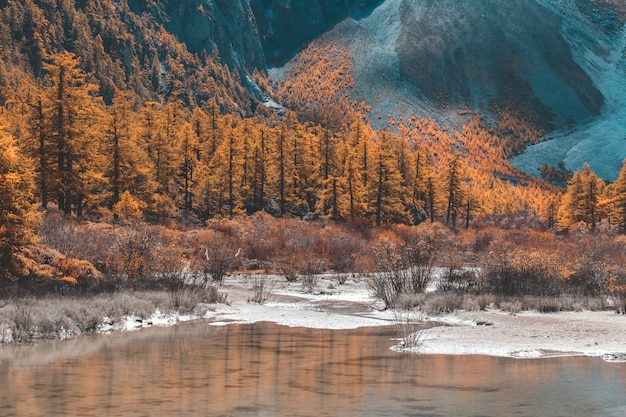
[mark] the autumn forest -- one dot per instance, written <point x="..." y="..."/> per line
<point x="113" y="131"/>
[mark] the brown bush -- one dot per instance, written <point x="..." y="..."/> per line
<point x="81" y="270"/>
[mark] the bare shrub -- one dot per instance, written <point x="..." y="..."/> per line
<point x="482" y="240"/>
<point x="443" y="303"/>
<point x="85" y="318"/>
<point x="405" y="261"/>
<point x="263" y="287"/>
<point x="548" y="304"/>
<point x="383" y="289"/>
<point x="185" y="298"/>
<point x="219" y="259"/>
<point x="484" y="300"/>
<point x="339" y="248"/>
<point x="511" y="306"/>
<point x="616" y="283"/>
<point x="310" y="277"/>
<point x="410" y="301"/>
<point x="136" y="253"/>
<point x="595" y="304"/>
<point x="409" y="327"/>
<point x="341" y="278"/>
<point x="22" y="320"/>
<point x="478" y="302"/>
<point x="290" y="266"/>
<point x="523" y="272"/>
<point x="59" y="232"/>
<point x="265" y="236"/>
<point x="185" y="295"/>
<point x="213" y="295"/>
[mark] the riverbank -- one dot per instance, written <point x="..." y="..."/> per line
<point x="328" y="304"/>
<point x="524" y="334"/>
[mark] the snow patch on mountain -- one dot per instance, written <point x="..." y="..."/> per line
<point x="601" y="140"/>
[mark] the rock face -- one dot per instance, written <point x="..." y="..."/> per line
<point x="286" y="25"/>
<point x="249" y="33"/>
<point x="463" y="52"/>
<point x="438" y="58"/>
<point x="227" y="26"/>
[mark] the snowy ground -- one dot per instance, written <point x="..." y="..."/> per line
<point x="491" y="332"/>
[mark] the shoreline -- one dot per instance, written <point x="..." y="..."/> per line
<point x="523" y="335"/>
<point x="330" y="305"/>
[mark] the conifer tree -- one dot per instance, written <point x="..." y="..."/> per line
<point x="618" y="200"/>
<point x="190" y="151"/>
<point x="355" y="192"/>
<point x="581" y="199"/>
<point x="18" y="215"/>
<point x="387" y="204"/>
<point x="454" y="192"/>
<point x="72" y="126"/>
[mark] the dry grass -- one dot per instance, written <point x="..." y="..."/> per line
<point x="262" y="287"/>
<point x="409" y="326"/>
<point x="59" y="317"/>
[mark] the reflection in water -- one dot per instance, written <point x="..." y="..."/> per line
<point x="269" y="370"/>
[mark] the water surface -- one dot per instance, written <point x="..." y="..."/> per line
<point x="269" y="370"/>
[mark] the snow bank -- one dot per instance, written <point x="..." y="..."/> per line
<point x="492" y="332"/>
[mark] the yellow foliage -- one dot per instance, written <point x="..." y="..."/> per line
<point x="82" y="270"/>
<point x="69" y="280"/>
<point x="129" y="207"/>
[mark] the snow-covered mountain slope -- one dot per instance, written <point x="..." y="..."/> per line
<point x="601" y="140"/>
<point x="558" y="61"/>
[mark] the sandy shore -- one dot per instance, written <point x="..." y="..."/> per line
<point x="492" y="332"/>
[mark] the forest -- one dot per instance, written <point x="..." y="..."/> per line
<point x="120" y="171"/>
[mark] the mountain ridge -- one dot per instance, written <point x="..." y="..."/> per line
<point x="553" y="63"/>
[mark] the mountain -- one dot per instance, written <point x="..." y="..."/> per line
<point x="286" y="26"/>
<point x="556" y="64"/>
<point x="595" y="31"/>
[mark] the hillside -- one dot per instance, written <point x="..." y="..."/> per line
<point x="553" y="64"/>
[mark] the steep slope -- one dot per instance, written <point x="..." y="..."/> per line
<point x="204" y="25"/>
<point x="554" y="63"/>
<point x="452" y="55"/>
<point x="599" y="141"/>
<point x="285" y="26"/>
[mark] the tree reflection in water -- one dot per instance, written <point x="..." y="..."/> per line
<point x="265" y="369"/>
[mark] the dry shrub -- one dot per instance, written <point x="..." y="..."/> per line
<point x="511" y="306"/>
<point x="290" y="266"/>
<point x="143" y="255"/>
<point x="82" y="271"/>
<point x="263" y="287"/>
<point x="213" y="256"/>
<point x="22" y="319"/>
<point x="264" y="237"/>
<point x="443" y="303"/>
<point x="483" y="239"/>
<point x="409" y="326"/>
<point x="523" y="271"/>
<point x="478" y="302"/>
<point x="185" y="298"/>
<point x="410" y="301"/>
<point x="310" y="277"/>
<point x="405" y="260"/>
<point x="136" y="253"/>
<point x="339" y="248"/>
<point x="616" y="283"/>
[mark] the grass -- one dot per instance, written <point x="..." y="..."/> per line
<point x="59" y="317"/>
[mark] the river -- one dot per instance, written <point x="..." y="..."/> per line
<point x="263" y="369"/>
